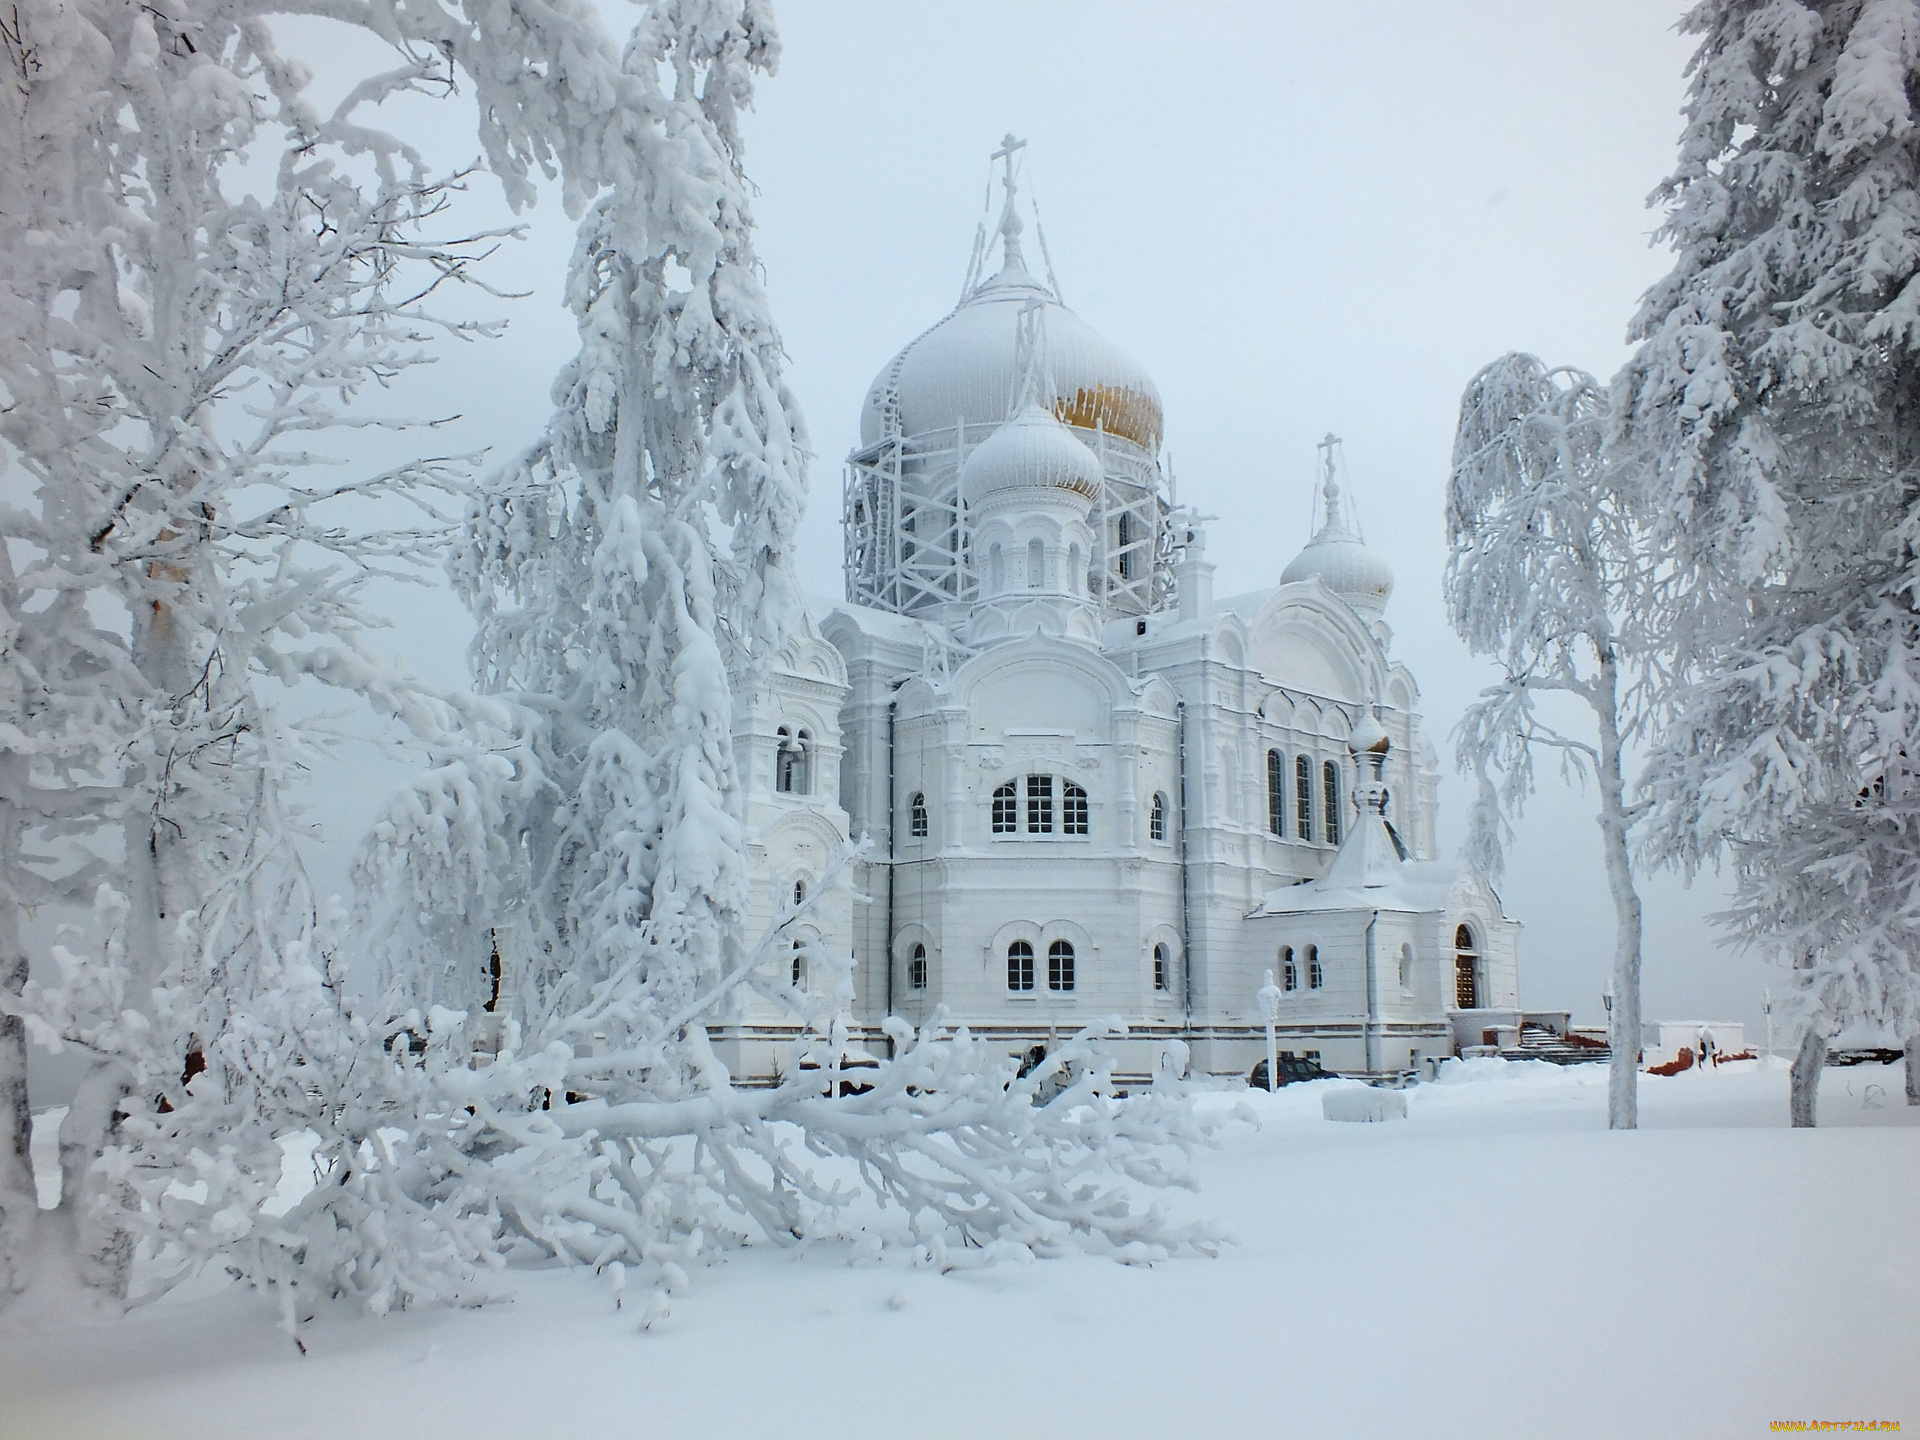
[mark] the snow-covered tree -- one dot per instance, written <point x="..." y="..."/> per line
<point x="205" y="276"/>
<point x="569" y="925"/>
<point x="1545" y="568"/>
<point x="1774" y="401"/>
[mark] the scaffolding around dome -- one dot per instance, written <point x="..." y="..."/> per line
<point x="906" y="526"/>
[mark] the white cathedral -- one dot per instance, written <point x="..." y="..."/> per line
<point x="1089" y="788"/>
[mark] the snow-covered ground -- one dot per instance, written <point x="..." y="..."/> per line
<point x="1495" y="1264"/>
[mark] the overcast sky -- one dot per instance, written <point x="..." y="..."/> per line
<point x="1297" y="218"/>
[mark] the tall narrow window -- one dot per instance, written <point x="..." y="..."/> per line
<point x="997" y="569"/>
<point x="799" y="892"/>
<point x="1330" y="778"/>
<point x="917" y="816"/>
<point x="1276" y="793"/>
<point x="1073" y="569"/>
<point x="1039" y="804"/>
<point x="1157" y="818"/>
<point x="1316" y="977"/>
<point x="1289" y="972"/>
<point x="1303" y="797"/>
<point x="1162" y="969"/>
<point x="1073" y="809"/>
<point x="917" y="968"/>
<point x="1060" y="966"/>
<point x="1006" y="809"/>
<point x="790" y="764"/>
<point x="1036" y="565"/>
<point x="1466" y="967"/>
<point x="799" y="964"/>
<point x="1406" y="967"/>
<point x="1125" y="548"/>
<point x="1019" y="966"/>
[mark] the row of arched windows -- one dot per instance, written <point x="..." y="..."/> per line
<point x="1316" y="974"/>
<point x="1297" y="806"/>
<point x="1074" y="814"/>
<point x="1020" y="971"/>
<point x="1039" y="812"/>
<point x="1039" y="574"/>
<point x="1022" y="974"/>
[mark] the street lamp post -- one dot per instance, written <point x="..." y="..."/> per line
<point x="1270" y="1007"/>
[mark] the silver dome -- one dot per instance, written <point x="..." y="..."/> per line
<point x="965" y="370"/>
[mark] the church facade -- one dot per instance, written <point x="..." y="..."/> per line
<point x="1088" y="788"/>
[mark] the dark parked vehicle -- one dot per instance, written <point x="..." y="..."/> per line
<point x="1292" y="1068"/>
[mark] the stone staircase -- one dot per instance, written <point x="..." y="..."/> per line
<point x="1541" y="1042"/>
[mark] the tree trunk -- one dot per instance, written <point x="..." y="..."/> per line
<point x="1623" y="1075"/>
<point x="18" y="1200"/>
<point x="102" y="1253"/>
<point x="1913" y="1069"/>
<point x="1804" y="1091"/>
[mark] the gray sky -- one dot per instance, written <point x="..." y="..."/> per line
<point x="1297" y="218"/>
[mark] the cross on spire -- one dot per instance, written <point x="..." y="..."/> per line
<point x="1330" y="485"/>
<point x="1010" y="227"/>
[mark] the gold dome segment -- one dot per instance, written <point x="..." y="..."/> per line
<point x="1130" y="414"/>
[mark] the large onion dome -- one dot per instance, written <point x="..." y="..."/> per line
<point x="1031" y="452"/>
<point x="966" y="369"/>
<point x="1340" y="559"/>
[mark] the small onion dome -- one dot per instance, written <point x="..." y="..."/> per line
<point x="1342" y="561"/>
<point x="1032" y="451"/>
<point x="1369" y="737"/>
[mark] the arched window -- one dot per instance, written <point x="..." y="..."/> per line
<point x="1073" y="569"/>
<point x="1060" y="966"/>
<point x="1406" y="966"/>
<point x="799" y="964"/>
<point x="917" y="968"/>
<point x="1162" y="969"/>
<point x="1036" y="565"/>
<point x="1125" y="548"/>
<point x="1019" y="966"/>
<point x="1330" y="778"/>
<point x="1157" y="818"/>
<point x="799" y="892"/>
<point x="1073" y="809"/>
<point x="1039" y="804"/>
<point x="1276" y="793"/>
<point x="790" y="763"/>
<point x="1316" y="977"/>
<point x="917" y="816"/>
<point x="1466" y="970"/>
<point x="1303" y="797"/>
<point x="997" y="569"/>
<point x="1006" y="809"/>
<point x="1289" y="972"/>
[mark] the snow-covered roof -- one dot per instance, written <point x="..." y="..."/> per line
<point x="885" y="624"/>
<point x="1368" y="874"/>
<point x="1247" y="606"/>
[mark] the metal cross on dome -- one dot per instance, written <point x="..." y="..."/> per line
<point x="1331" y="486"/>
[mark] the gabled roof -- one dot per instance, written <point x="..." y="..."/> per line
<point x="1368" y="874"/>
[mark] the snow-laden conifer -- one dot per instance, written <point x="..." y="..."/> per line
<point x="1545" y="569"/>
<point x="566" y="926"/>
<point x="1775" y="402"/>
